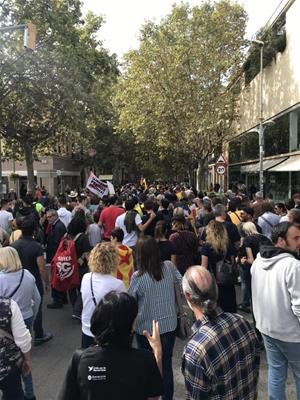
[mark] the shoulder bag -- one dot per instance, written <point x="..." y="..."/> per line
<point x="19" y="284"/>
<point x="183" y="329"/>
<point x="267" y="221"/>
<point x="92" y="290"/>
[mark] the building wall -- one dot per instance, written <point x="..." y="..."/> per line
<point x="281" y="85"/>
<point x="53" y="172"/>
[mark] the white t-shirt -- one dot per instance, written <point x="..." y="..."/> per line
<point x="94" y="232"/>
<point x="102" y="284"/>
<point x="5" y="219"/>
<point x="131" y="238"/>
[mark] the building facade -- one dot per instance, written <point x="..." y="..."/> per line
<point x="281" y="116"/>
<point x="54" y="172"/>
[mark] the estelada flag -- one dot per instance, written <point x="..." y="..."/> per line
<point x="125" y="268"/>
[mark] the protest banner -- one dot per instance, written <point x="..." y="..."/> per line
<point x="96" y="186"/>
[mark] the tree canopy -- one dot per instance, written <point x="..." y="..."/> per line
<point x="176" y="93"/>
<point x="61" y="89"/>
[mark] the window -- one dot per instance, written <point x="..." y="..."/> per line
<point x="235" y="151"/>
<point x="298" y="126"/>
<point x="277" y="137"/>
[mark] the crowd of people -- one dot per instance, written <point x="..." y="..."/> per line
<point x="133" y="250"/>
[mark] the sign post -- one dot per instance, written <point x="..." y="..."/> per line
<point x="220" y="165"/>
<point x="221" y="168"/>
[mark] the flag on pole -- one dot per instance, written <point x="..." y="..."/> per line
<point x="94" y="185"/>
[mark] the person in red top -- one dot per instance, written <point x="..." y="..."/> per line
<point x="108" y="217"/>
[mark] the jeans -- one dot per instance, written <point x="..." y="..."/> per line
<point x="27" y="379"/>
<point x="11" y="386"/>
<point x="76" y="301"/>
<point x="167" y="343"/>
<point x="279" y="355"/>
<point x="87" y="341"/>
<point x="245" y="283"/>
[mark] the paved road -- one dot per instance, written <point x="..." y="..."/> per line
<point x="49" y="360"/>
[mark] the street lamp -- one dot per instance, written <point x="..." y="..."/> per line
<point x="261" y="128"/>
<point x="260" y="43"/>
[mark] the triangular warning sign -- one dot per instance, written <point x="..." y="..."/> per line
<point x="221" y="160"/>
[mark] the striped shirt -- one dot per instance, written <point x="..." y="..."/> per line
<point x="221" y="360"/>
<point x="156" y="300"/>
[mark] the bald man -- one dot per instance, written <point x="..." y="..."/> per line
<point x="221" y="360"/>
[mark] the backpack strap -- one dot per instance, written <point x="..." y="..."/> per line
<point x="3" y="333"/>
<point x="268" y="222"/>
<point x="237" y="215"/>
<point x="77" y="236"/>
<point x="92" y="290"/>
<point x="17" y="288"/>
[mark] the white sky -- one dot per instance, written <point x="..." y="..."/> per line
<point x="123" y="18"/>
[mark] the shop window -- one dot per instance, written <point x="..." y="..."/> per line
<point x="298" y="127"/>
<point x="276" y="184"/>
<point x="250" y="146"/>
<point x="235" y="151"/>
<point x="295" y="182"/>
<point x="277" y="137"/>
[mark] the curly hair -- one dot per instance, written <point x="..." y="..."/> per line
<point x="104" y="258"/>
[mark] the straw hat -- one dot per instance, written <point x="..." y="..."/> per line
<point x="73" y="194"/>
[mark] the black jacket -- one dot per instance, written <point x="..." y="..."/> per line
<point x="54" y="236"/>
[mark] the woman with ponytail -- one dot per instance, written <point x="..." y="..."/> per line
<point x="131" y="224"/>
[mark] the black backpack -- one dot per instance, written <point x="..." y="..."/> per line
<point x="10" y="354"/>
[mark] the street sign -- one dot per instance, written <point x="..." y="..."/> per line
<point x="221" y="159"/>
<point x="58" y="172"/>
<point x="221" y="169"/>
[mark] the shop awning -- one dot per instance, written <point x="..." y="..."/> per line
<point x="291" y="164"/>
<point x="249" y="168"/>
<point x="254" y="168"/>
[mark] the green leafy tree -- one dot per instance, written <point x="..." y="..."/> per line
<point x="51" y="93"/>
<point x="176" y="91"/>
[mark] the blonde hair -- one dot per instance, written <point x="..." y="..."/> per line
<point x="9" y="259"/>
<point x="178" y="212"/>
<point x="249" y="228"/>
<point x="104" y="258"/>
<point x="217" y="237"/>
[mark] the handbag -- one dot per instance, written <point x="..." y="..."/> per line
<point x="226" y="273"/>
<point x="183" y="330"/>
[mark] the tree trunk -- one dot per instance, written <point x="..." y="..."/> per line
<point x="201" y="178"/>
<point x="29" y="166"/>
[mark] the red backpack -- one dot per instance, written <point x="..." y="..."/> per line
<point x="64" y="265"/>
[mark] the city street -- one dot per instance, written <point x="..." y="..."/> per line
<point x="49" y="361"/>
